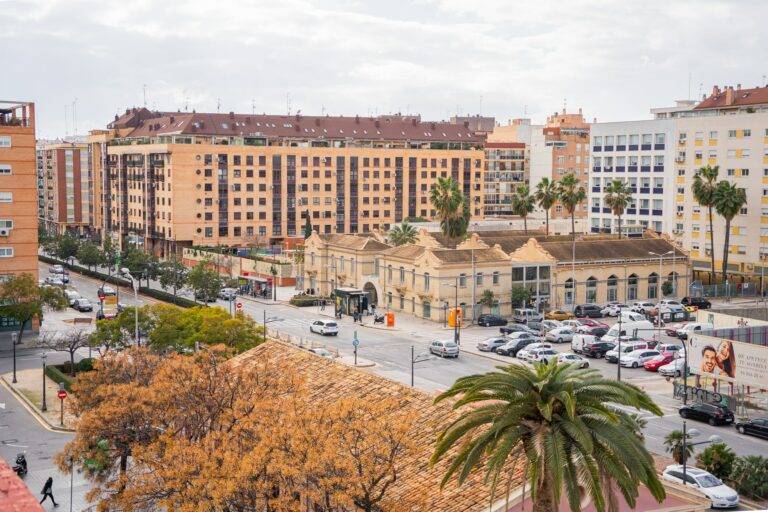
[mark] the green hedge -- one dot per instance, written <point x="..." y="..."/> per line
<point x="56" y="375"/>
<point x="168" y="297"/>
<point x="304" y="301"/>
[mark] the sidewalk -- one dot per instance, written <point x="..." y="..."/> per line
<point x="29" y="389"/>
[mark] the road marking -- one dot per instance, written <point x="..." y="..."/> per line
<point x="2" y="405"/>
<point x="16" y="445"/>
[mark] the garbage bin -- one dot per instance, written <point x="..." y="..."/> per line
<point x="390" y="319"/>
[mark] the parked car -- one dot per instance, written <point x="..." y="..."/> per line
<point x="637" y="358"/>
<point x="597" y="349"/>
<point x="580" y="339"/>
<point x="634" y="329"/>
<point x="711" y="413"/>
<point x="673" y="368"/>
<point x="588" y="322"/>
<point x="692" y="328"/>
<point x="595" y="330"/>
<point x="612" y="356"/>
<point x="644" y="308"/>
<point x="56" y="269"/>
<point x="510" y="328"/>
<point x="536" y="326"/>
<point x="82" y="304"/>
<point x="560" y="335"/>
<point x="712" y="487"/>
<point x="558" y="314"/>
<point x="228" y="294"/>
<point x="754" y="427"/>
<point x="444" y="348"/>
<point x="490" y="320"/>
<point x="670" y="306"/>
<point x="54" y="280"/>
<point x="523" y="354"/>
<point x="203" y="297"/>
<point x="542" y="355"/>
<point x="699" y="302"/>
<point x="548" y="325"/>
<point x="513" y="346"/>
<point x="613" y="308"/>
<point x="523" y="315"/>
<point x="587" y="310"/>
<point x="671" y="329"/>
<point x="324" y="352"/>
<point x="72" y="296"/>
<point x="657" y="362"/>
<point x="491" y="344"/>
<point x="573" y="359"/>
<point x="671" y="348"/>
<point x="324" y="327"/>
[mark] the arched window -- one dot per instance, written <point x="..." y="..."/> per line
<point x="569" y="291"/>
<point x="402" y="274"/>
<point x="674" y="279"/>
<point x="426" y="309"/>
<point x="426" y="281"/>
<point x="653" y="285"/>
<point x="612" y="284"/>
<point x="591" y="290"/>
<point x="632" y="287"/>
<point x="341" y="264"/>
<point x="389" y="273"/>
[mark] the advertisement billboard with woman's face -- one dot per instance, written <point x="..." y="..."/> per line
<point x="744" y="363"/>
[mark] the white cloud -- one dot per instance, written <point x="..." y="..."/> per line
<point x="615" y="59"/>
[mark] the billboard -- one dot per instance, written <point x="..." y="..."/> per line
<point x="744" y="363"/>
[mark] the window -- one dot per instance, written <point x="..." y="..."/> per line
<point x="402" y="274"/>
<point x="6" y="252"/>
<point x="5" y="170"/>
<point x="462" y="280"/>
<point x="591" y="290"/>
<point x="5" y="141"/>
<point x="426" y="282"/>
<point x="6" y="197"/>
<point x="747" y="132"/>
<point x="597" y="141"/>
<point x="495" y="278"/>
<point x="479" y="278"/>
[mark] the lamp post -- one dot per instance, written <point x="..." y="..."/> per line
<point x="269" y="320"/>
<point x="44" y="406"/>
<point x="714" y="439"/>
<point x="14" y="337"/>
<point x="456" y="329"/>
<point x="127" y="273"/>
<point x="658" y="293"/>
<point x="420" y="358"/>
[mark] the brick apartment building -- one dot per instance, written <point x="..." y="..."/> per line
<point x="177" y="179"/>
<point x="64" y="187"/>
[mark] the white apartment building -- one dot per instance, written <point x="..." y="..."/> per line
<point x="640" y="153"/>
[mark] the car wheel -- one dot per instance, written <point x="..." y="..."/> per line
<point x="740" y="429"/>
<point x="560" y="340"/>
<point x="712" y="421"/>
<point x="684" y="414"/>
<point x="634" y="365"/>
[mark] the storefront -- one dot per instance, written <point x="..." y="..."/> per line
<point x="350" y="300"/>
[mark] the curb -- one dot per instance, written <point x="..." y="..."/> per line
<point x="30" y="407"/>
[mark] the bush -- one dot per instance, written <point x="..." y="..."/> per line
<point x="304" y="301"/>
<point x="718" y="459"/>
<point x="168" y="297"/>
<point x="750" y="476"/>
<point x="58" y="376"/>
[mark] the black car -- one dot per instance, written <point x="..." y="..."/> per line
<point x="699" y="302"/>
<point x="597" y="349"/>
<point x="711" y="413"/>
<point x="755" y="427"/>
<point x="513" y="347"/>
<point x="587" y="311"/>
<point x="490" y="320"/>
<point x="509" y="329"/>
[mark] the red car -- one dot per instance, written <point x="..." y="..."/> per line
<point x="671" y="329"/>
<point x="657" y="362"/>
<point x="591" y="323"/>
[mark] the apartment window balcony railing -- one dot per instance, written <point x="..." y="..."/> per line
<point x="658" y="146"/>
<point x="595" y="229"/>
<point x="632" y="168"/>
<point x="658" y="168"/>
<point x="595" y="169"/>
<point x="621" y="147"/>
<point x="631" y="211"/>
<point x="633" y="147"/>
<point x="633" y="190"/>
<point x="645" y="147"/>
<point x="620" y="168"/>
<point x="595" y="209"/>
<point x="596" y="149"/>
<point x="645" y="190"/>
<point x="658" y="190"/>
<point x="606" y="210"/>
<point x="608" y="169"/>
<point x="607" y="148"/>
<point x="643" y="211"/>
<point x="645" y="168"/>
<point x="595" y="189"/>
<point x="656" y="212"/>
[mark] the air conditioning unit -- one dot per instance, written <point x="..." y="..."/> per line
<point x="5" y="231"/>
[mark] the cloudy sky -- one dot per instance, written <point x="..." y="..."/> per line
<point x="615" y="59"/>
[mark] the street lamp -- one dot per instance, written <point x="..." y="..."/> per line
<point x="456" y="328"/>
<point x="268" y="321"/>
<point x="658" y="293"/>
<point x="713" y="439"/>
<point x="127" y="273"/>
<point x="14" y="337"/>
<point x="44" y="407"/>
<point x="420" y="358"/>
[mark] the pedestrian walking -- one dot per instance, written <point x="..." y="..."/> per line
<point x="47" y="492"/>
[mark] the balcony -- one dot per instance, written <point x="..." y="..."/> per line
<point x="596" y="149"/>
<point x="645" y="168"/>
<point x="595" y="189"/>
<point x="658" y="190"/>
<point x="658" y="168"/>
<point x="595" y="209"/>
<point x="632" y="168"/>
<point x="620" y="168"/>
<point x="631" y="211"/>
<point x="658" y="147"/>
<point x="621" y="147"/>
<point x="595" y="169"/>
<point x="644" y="211"/>
<point x="17" y="114"/>
<point x="645" y="147"/>
<point x="595" y="229"/>
<point x="645" y="190"/>
<point x="633" y="147"/>
<point x="607" y="148"/>
<point x="608" y="169"/>
<point x="606" y="210"/>
<point x="656" y="212"/>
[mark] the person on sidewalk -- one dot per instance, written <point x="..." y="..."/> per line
<point x="47" y="492"/>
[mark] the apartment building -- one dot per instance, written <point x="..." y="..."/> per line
<point x="18" y="190"/>
<point x="640" y="153"/>
<point x="728" y="128"/>
<point x="163" y="179"/>
<point x="64" y="187"/>
<point x="506" y="168"/>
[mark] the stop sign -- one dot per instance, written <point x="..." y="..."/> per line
<point x="239" y="306"/>
<point x="62" y="394"/>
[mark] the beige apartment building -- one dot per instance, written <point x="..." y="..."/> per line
<point x="64" y="187"/>
<point x="168" y="179"/>
<point x="428" y="277"/>
<point x="728" y="128"/>
<point x="506" y="168"/>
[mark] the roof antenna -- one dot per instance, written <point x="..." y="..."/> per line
<point x="481" y="105"/>
<point x="66" y="122"/>
<point x="322" y="110"/>
<point x="218" y="105"/>
<point x="689" y="85"/>
<point x="765" y="81"/>
<point x="186" y="104"/>
<point x="74" y="117"/>
<point x="253" y="107"/>
<point x="288" y="102"/>
<point x="144" y="88"/>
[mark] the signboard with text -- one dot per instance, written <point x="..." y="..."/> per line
<point x="743" y="363"/>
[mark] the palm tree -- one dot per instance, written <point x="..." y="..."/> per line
<point x="487" y="298"/>
<point x="704" y="184"/>
<point x="556" y="420"/>
<point x="451" y="206"/>
<point x="571" y="193"/>
<point x="403" y="234"/>
<point x="618" y="196"/>
<point x="523" y="203"/>
<point x="674" y="443"/>
<point x="728" y="202"/>
<point x="546" y="197"/>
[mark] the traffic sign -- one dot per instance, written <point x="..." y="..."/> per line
<point x="62" y="394"/>
<point x="239" y="306"/>
<point x="355" y="342"/>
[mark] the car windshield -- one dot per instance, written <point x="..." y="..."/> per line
<point x="330" y="324"/>
<point x="709" y="481"/>
<point x="449" y="344"/>
<point x="659" y="357"/>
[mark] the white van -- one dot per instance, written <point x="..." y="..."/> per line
<point x="642" y="328"/>
<point x="579" y="340"/>
<point x="631" y="316"/>
<point x="525" y="315"/>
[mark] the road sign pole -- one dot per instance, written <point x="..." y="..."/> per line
<point x="61" y="421"/>
<point x="355" y="343"/>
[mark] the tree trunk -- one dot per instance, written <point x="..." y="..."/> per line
<point x="525" y="225"/>
<point x="72" y="364"/>
<point x="619" y="216"/>
<point x="546" y="216"/>
<point x="544" y="501"/>
<point x="712" y="246"/>
<point x="725" y="249"/>
<point x="573" y="226"/>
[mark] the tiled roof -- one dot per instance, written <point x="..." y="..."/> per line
<point x="466" y="255"/>
<point x="359" y="243"/>
<point x="334" y="381"/>
<point x="409" y="251"/>
<point x="730" y="97"/>
<point x="602" y="250"/>
<point x="14" y="495"/>
<point x="302" y="127"/>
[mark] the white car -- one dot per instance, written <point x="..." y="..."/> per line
<point x="613" y="308"/>
<point x="673" y="369"/>
<point x="573" y="359"/>
<point x="692" y="328"/>
<point x="524" y="353"/>
<point x="573" y="323"/>
<point x="637" y="358"/>
<point x="72" y="296"/>
<point x="643" y="307"/>
<point x="56" y="269"/>
<point x="541" y="355"/>
<point x="323" y="352"/>
<point x="444" y="348"/>
<point x="491" y="344"/>
<point x="708" y="484"/>
<point x="670" y="306"/>
<point x="548" y="325"/>
<point x="560" y="335"/>
<point x="324" y="327"/>
<point x="54" y="281"/>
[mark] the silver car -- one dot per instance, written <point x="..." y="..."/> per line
<point x="444" y="348"/>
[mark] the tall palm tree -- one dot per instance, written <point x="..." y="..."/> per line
<point x="403" y="234"/>
<point x="728" y="201"/>
<point x="523" y="204"/>
<point x="704" y="184"/>
<point x="546" y="197"/>
<point x="451" y="206"/>
<point x="617" y="197"/>
<point x="571" y="193"/>
<point x="674" y="445"/>
<point x="556" y="419"/>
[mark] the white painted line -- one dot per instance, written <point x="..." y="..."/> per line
<point x="2" y="405"/>
<point x="17" y="445"/>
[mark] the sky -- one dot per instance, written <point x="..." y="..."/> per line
<point x="503" y="58"/>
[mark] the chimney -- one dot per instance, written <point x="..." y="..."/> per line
<point x="738" y="87"/>
<point x="414" y="122"/>
<point x="377" y="123"/>
<point x="715" y="90"/>
<point x="466" y="124"/>
<point x="357" y="119"/>
<point x="127" y="111"/>
<point x="730" y="96"/>
<point x="247" y="120"/>
<point x="116" y="118"/>
<point x="173" y="119"/>
<point x="317" y="121"/>
<point x="231" y="114"/>
<point x="432" y="126"/>
<point x="579" y="110"/>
